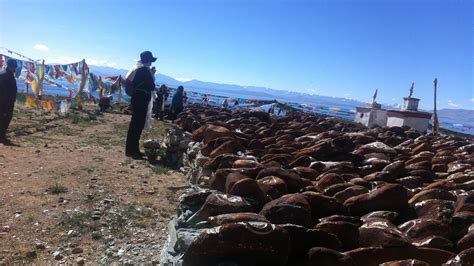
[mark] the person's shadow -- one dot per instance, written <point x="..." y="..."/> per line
<point x="9" y="143"/>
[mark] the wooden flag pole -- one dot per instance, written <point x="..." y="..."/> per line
<point x="435" y="115"/>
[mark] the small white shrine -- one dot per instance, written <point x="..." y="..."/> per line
<point x="372" y="115"/>
<point x="409" y="116"/>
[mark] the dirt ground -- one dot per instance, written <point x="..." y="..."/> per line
<point x="69" y="194"/>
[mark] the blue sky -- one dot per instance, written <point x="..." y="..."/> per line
<point x="335" y="48"/>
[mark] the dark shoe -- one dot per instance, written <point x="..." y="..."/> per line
<point x="135" y="156"/>
<point x="7" y="142"/>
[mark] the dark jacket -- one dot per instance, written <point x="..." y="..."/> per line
<point x="160" y="96"/>
<point x="7" y="90"/>
<point x="143" y="80"/>
<point x="177" y="102"/>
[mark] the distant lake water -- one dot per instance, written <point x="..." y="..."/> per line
<point x="339" y="110"/>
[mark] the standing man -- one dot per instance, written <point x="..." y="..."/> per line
<point x="160" y="102"/>
<point x="7" y="98"/>
<point x="143" y="82"/>
<point x="177" y="103"/>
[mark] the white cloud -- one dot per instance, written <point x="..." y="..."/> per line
<point x="311" y="91"/>
<point x="452" y="104"/>
<point x="97" y="62"/>
<point x="62" y="60"/>
<point x="41" y="47"/>
<point x="183" y="79"/>
<point x="70" y="60"/>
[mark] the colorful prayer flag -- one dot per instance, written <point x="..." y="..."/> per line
<point x="58" y="71"/>
<point x="19" y="68"/>
<point x="74" y="69"/>
<point x="30" y="101"/>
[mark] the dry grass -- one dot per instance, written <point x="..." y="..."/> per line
<point x="65" y="168"/>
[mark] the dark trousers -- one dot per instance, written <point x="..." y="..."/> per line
<point x="140" y="102"/>
<point x="158" y="107"/>
<point x="175" y="112"/>
<point x="6" y="114"/>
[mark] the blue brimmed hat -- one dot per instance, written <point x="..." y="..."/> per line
<point x="147" y="57"/>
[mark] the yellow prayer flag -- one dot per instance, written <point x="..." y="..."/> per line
<point x="30" y="101"/>
<point x="40" y="79"/>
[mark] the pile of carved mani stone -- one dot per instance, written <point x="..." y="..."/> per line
<point x="306" y="189"/>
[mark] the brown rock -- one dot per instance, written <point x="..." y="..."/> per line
<point x="466" y="257"/>
<point x="376" y="147"/>
<point x="231" y="179"/>
<point x="217" y="203"/>
<point x="435" y="209"/>
<point x="198" y="134"/>
<point x="322" y="205"/>
<point x="213" y="132"/>
<point x="218" y="179"/>
<point x="361" y="182"/>
<point x="302" y="239"/>
<point x="386" y="215"/>
<point x="291" y="208"/>
<point x="349" y="192"/>
<point x="213" y="144"/>
<point x="251" y="243"/>
<point x="417" y="159"/>
<point x="458" y="167"/>
<point x="347" y="233"/>
<point x="248" y="189"/>
<point x="427" y="194"/>
<point x="381" y="176"/>
<point x="319" y="256"/>
<point x="246" y="164"/>
<point x="389" y="197"/>
<point x="342" y="218"/>
<point x="235" y="218"/>
<point x="327" y="180"/>
<point x="373" y="256"/>
<point x="221" y="161"/>
<point x="442" y="160"/>
<point x="420" y="228"/>
<point x="273" y="186"/>
<point x="409" y="262"/>
<point x="443" y="185"/>
<point x="427" y="174"/>
<point x="381" y="233"/>
<point x="255" y="144"/>
<point x="411" y="181"/>
<point x="439" y="168"/>
<point x="422" y="147"/>
<point x="306" y="172"/>
<point x="332" y="190"/>
<point x="293" y="181"/>
<point x="228" y="147"/>
<point x="460" y="177"/>
<point x="434" y="242"/>
<point x="425" y="165"/>
<point x="466" y="242"/>
<point x="465" y="202"/>
<point x="260" y="115"/>
<point x="303" y="161"/>
<point x="396" y="168"/>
